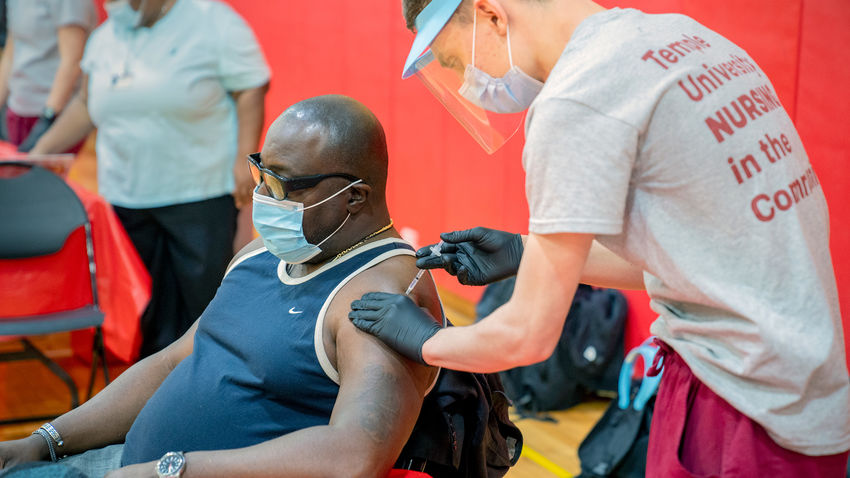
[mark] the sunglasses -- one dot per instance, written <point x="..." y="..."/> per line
<point x="280" y="187"/>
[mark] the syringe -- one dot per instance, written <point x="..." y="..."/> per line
<point x="435" y="251"/>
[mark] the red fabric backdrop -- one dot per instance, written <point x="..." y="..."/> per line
<point x="440" y="179"/>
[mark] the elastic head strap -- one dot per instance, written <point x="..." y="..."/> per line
<point x="332" y="195"/>
<point x="474" y="25"/>
<point x="510" y="56"/>
<point x="337" y="230"/>
<point x="474" y="30"/>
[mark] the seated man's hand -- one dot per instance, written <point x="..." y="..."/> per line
<point x="25" y="450"/>
<point x="476" y="256"/>
<point x="141" y="470"/>
<point x="396" y="320"/>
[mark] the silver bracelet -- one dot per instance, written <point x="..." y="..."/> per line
<point x="49" y="441"/>
<point x="53" y="433"/>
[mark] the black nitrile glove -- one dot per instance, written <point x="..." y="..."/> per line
<point x="39" y="128"/>
<point x="476" y="256"/>
<point x="396" y="320"/>
<point x="4" y="126"/>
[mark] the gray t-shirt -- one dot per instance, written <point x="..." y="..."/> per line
<point x="33" y="25"/>
<point x="668" y="142"/>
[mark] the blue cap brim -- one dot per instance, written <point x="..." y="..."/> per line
<point x="429" y="24"/>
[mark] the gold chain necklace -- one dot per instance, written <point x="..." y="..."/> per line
<point x="370" y="236"/>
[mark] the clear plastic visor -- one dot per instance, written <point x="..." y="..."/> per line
<point x="490" y="130"/>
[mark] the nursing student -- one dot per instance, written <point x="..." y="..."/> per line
<point x="657" y="157"/>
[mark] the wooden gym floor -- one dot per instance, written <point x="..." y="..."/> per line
<point x="27" y="388"/>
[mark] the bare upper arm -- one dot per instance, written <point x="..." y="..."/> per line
<point x="546" y="282"/>
<point x="392" y="275"/>
<point x="72" y="41"/>
<point x="83" y="92"/>
<point x="9" y="47"/>
<point x="381" y="392"/>
<point x="259" y="90"/>
<point x="604" y="268"/>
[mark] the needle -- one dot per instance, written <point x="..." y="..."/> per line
<point x="435" y="251"/>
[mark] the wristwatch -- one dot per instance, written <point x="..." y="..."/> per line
<point x="171" y="465"/>
<point x="49" y="113"/>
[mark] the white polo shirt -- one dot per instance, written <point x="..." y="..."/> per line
<point x="167" y="128"/>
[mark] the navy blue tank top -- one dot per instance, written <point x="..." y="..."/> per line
<point x="258" y="369"/>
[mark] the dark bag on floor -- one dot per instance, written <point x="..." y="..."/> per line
<point x="617" y="445"/>
<point x="588" y="356"/>
<point x="463" y="430"/>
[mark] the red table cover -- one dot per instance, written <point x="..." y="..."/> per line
<point x="32" y="286"/>
<point x="123" y="282"/>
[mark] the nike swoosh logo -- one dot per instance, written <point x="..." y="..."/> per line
<point x="293" y="311"/>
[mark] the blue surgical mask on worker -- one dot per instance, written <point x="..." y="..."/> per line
<point x="511" y="93"/>
<point x="122" y="15"/>
<point x="281" y="225"/>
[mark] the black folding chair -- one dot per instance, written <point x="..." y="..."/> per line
<point x="38" y="212"/>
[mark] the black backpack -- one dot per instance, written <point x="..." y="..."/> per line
<point x="616" y="446"/>
<point x="463" y="430"/>
<point x="588" y="356"/>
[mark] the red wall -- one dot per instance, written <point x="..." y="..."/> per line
<point x="440" y="179"/>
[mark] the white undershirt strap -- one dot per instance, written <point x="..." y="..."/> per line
<point x="318" y="335"/>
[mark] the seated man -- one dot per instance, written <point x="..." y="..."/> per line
<point x="273" y="376"/>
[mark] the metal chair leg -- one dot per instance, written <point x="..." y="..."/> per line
<point x="58" y="371"/>
<point x="30" y="352"/>
<point x="102" y="346"/>
<point x="98" y="354"/>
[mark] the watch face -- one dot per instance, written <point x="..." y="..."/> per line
<point x="169" y="464"/>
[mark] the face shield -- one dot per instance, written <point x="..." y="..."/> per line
<point x="491" y="130"/>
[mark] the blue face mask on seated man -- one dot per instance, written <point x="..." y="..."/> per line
<point x="281" y="225"/>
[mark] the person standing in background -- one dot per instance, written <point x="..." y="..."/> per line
<point x="40" y="66"/>
<point x="176" y="89"/>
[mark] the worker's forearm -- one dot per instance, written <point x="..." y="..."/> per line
<point x="64" y="84"/>
<point x="494" y="344"/>
<point x="527" y="328"/>
<point x="606" y="269"/>
<point x="72" y="126"/>
<point x="297" y="454"/>
<point x="106" y="418"/>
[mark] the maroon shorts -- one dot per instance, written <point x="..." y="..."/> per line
<point x="695" y="433"/>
